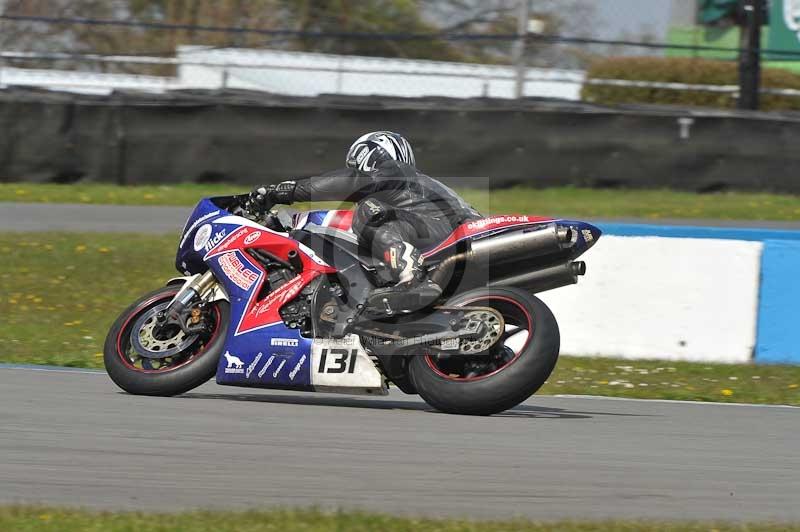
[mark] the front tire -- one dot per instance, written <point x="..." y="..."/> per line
<point x="186" y="369"/>
<point x="508" y="373"/>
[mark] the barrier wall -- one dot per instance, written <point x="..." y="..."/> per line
<point x="685" y="293"/>
<point x="248" y="137"/>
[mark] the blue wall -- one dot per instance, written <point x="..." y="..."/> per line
<point x="779" y="307"/>
<point x="690" y="231"/>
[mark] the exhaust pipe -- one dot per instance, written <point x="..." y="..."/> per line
<point x="521" y="244"/>
<point x="545" y="279"/>
<point x="514" y="246"/>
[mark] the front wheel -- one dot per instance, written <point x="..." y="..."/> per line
<point x="509" y="372"/>
<point x="143" y="360"/>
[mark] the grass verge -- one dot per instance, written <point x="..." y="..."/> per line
<point x="59" y="294"/>
<point x="42" y="518"/>
<point x="562" y="201"/>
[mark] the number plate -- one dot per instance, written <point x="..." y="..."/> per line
<point x="342" y="363"/>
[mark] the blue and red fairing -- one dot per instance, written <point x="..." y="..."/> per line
<point x="215" y="238"/>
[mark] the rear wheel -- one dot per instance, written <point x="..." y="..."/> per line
<point x="145" y="360"/>
<point x="507" y="373"/>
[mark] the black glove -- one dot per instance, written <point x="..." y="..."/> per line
<point x="282" y="193"/>
<point x="262" y="198"/>
<point x="259" y="201"/>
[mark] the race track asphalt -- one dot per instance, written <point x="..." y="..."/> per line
<point x="142" y="219"/>
<point x="72" y="438"/>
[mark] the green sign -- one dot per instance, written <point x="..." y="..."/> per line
<point x="712" y="11"/>
<point x="784" y="29"/>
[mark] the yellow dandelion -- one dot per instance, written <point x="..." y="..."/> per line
<point x="80" y="248"/>
<point x="103" y="250"/>
<point x="793" y="386"/>
<point x="727" y="392"/>
<point x="21" y="192"/>
<point x="149" y="196"/>
<point x="98" y="355"/>
<point x="13" y="301"/>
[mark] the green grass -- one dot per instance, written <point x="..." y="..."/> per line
<point x="27" y="518"/>
<point x="563" y="201"/>
<point x="59" y="294"/>
<point x="184" y="194"/>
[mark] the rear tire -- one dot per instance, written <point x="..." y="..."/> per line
<point x="189" y="369"/>
<point x="445" y="385"/>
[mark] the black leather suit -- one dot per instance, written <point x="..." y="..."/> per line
<point x="394" y="203"/>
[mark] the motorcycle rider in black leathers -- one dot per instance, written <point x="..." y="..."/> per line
<point x="398" y="210"/>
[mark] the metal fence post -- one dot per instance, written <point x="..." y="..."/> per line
<point x="750" y="55"/>
<point x="518" y="53"/>
<point x="224" y="78"/>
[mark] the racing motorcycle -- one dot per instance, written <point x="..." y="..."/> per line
<point x="289" y="300"/>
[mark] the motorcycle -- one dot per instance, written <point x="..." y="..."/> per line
<point x="289" y="300"/>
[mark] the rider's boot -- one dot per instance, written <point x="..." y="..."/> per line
<point x="412" y="289"/>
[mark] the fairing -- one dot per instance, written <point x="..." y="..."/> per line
<point x="260" y="349"/>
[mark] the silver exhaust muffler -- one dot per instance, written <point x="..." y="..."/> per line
<point x="516" y="246"/>
<point x="521" y="245"/>
<point x="544" y="279"/>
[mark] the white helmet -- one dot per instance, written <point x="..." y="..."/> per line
<point x="373" y="148"/>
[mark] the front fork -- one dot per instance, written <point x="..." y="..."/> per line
<point x="182" y="310"/>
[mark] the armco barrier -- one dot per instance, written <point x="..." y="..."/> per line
<point x="685" y="293"/>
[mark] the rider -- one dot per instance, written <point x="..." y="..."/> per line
<point x="398" y="209"/>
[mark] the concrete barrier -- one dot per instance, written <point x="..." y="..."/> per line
<point x="663" y="298"/>
<point x="685" y="293"/>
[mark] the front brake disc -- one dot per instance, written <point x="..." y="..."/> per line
<point x="149" y="344"/>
